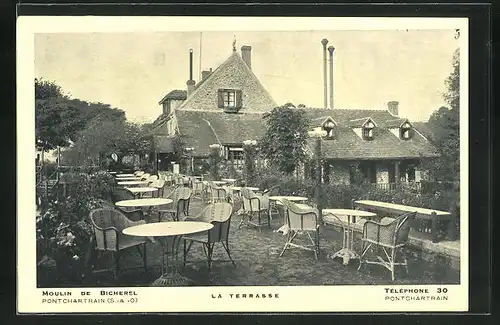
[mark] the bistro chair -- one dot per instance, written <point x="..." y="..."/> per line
<point x="217" y="193"/>
<point x="145" y="176"/>
<point x="198" y="191"/>
<point x="254" y="205"/>
<point x="301" y="221"/>
<point x="108" y="225"/>
<point x="181" y="197"/>
<point x="390" y="235"/>
<point x="130" y="212"/>
<point x="219" y="214"/>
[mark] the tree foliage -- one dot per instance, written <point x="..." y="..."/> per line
<point x="285" y="137"/>
<point x="57" y="117"/>
<point x="102" y="137"/>
<point x="444" y="124"/>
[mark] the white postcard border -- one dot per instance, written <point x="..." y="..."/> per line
<point x="200" y="299"/>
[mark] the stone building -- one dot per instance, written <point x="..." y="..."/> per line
<point x="227" y="105"/>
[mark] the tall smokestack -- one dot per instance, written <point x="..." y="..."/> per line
<point x="324" y="41"/>
<point x="190" y="83"/>
<point x="190" y="64"/>
<point x="331" y="49"/>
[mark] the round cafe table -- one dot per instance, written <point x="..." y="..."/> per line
<point x="138" y="191"/>
<point x="163" y="230"/>
<point x="148" y="202"/>
<point x="133" y="183"/>
<point x="124" y="175"/>
<point x="331" y="215"/>
<point x="291" y="198"/>
<point x="128" y="178"/>
<point x="219" y="182"/>
<point x="238" y="188"/>
<point x="229" y="180"/>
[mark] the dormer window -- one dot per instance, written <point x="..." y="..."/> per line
<point x="229" y="99"/>
<point x="368" y="130"/>
<point x="328" y="126"/>
<point x="405" y="131"/>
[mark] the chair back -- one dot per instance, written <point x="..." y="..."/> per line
<point x="403" y="226"/>
<point x="120" y="193"/>
<point x="221" y="218"/>
<point x="299" y="218"/>
<point x="107" y="225"/>
<point x="249" y="205"/>
<point x="153" y="178"/>
<point x="197" y="186"/>
<point x="218" y="194"/>
<point x="160" y="185"/>
<point x="145" y="176"/>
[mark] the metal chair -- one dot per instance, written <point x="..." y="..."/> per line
<point x="181" y="197"/>
<point x="299" y="221"/>
<point x="198" y="191"/>
<point x="390" y="235"/>
<point x="108" y="225"/>
<point x="145" y="176"/>
<point x="217" y="193"/>
<point x="254" y="205"/>
<point x="219" y="214"/>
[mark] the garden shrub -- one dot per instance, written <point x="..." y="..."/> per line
<point x="64" y="231"/>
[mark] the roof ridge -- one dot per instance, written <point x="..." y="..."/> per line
<point x="217" y="111"/>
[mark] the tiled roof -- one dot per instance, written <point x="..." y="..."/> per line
<point x="385" y="145"/>
<point x="395" y="123"/>
<point x="235" y="128"/>
<point x="233" y="73"/>
<point x="223" y="127"/>
<point x="344" y="116"/>
<point x="175" y="94"/>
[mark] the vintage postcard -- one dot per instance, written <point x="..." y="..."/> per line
<point x="242" y="164"/>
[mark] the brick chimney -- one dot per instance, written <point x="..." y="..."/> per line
<point x="205" y="74"/>
<point x="392" y="107"/>
<point x="246" y="55"/>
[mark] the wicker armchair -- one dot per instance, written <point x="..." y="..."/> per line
<point x="299" y="221"/>
<point x="390" y="235"/>
<point x="254" y="205"/>
<point x="108" y="225"/>
<point x="219" y="214"/>
<point x="217" y="193"/>
<point x="198" y="191"/>
<point x="121" y="194"/>
<point x="181" y="197"/>
<point x="145" y="176"/>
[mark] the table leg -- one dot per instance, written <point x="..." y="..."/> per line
<point x="347" y="253"/>
<point x="171" y="276"/>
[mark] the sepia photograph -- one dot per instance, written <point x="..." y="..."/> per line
<point x="229" y="159"/>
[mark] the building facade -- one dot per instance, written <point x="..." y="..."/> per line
<point x="226" y="108"/>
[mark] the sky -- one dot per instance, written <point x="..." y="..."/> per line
<point x="134" y="70"/>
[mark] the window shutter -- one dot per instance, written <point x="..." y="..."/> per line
<point x="220" y="98"/>
<point x="239" y="99"/>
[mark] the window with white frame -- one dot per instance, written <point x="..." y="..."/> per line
<point x="406" y="131"/>
<point x="235" y="156"/>
<point x="368" y="130"/>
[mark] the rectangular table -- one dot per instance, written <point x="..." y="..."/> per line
<point x="422" y="213"/>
